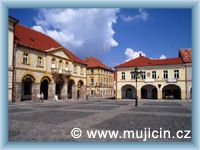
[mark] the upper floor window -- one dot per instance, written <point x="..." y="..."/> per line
<point x="25" y="58"/>
<point x="143" y="75"/>
<point x="53" y="63"/>
<point x="75" y="68"/>
<point x="153" y="74"/>
<point x="123" y="75"/>
<point x="176" y="74"/>
<point x="82" y="70"/>
<point x="165" y="74"/>
<point x="92" y="81"/>
<point x="66" y="66"/>
<point x="92" y="71"/>
<point x="133" y="75"/>
<point x="39" y="61"/>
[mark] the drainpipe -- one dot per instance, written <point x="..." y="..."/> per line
<point x="14" y="67"/>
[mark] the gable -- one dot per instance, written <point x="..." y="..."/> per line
<point x="60" y="53"/>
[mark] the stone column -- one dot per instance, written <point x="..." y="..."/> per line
<point x="159" y="94"/>
<point x="35" y="91"/>
<point x="138" y="94"/>
<point x="183" y="94"/>
<point x="51" y="90"/>
<point x="74" y="91"/>
<point x="65" y="90"/>
<point x="83" y="92"/>
<point x="17" y="92"/>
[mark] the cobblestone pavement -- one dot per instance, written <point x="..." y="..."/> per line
<point x="53" y="121"/>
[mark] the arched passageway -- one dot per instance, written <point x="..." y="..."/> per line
<point x="128" y="92"/>
<point x="171" y="91"/>
<point x="26" y="92"/>
<point x="149" y="92"/>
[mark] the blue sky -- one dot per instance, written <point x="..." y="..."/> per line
<point x="113" y="35"/>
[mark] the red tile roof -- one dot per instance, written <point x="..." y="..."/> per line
<point x="186" y="54"/>
<point x="33" y="39"/>
<point x="95" y="63"/>
<point x="144" y="61"/>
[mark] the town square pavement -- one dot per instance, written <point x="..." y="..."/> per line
<point x="54" y="120"/>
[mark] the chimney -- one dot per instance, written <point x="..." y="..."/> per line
<point x="140" y="54"/>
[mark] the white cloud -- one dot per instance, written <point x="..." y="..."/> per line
<point x="84" y="31"/>
<point x="141" y="15"/>
<point x="163" y="57"/>
<point x="38" y="28"/>
<point x="132" y="54"/>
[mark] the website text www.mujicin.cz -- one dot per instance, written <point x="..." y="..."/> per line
<point x="144" y="134"/>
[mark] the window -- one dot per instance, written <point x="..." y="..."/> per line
<point x="66" y="66"/>
<point x="165" y="74"/>
<point x="176" y="74"/>
<point x="53" y="63"/>
<point x="25" y="58"/>
<point x="60" y="66"/>
<point x="123" y="75"/>
<point x="82" y="70"/>
<point x="39" y="61"/>
<point x="92" y="71"/>
<point x="91" y="92"/>
<point x="143" y="75"/>
<point x="153" y="74"/>
<point x="75" y="71"/>
<point x="92" y="81"/>
<point x="133" y="75"/>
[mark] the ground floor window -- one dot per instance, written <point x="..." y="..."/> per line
<point x="92" y="92"/>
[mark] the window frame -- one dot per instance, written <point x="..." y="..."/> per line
<point x="27" y="58"/>
<point x="40" y="65"/>
<point x="165" y="74"/>
<point x="154" y="74"/>
<point x="123" y="76"/>
<point x="176" y="74"/>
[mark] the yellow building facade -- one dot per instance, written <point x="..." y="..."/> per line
<point x="100" y="79"/>
<point x="49" y="70"/>
<point x="157" y="79"/>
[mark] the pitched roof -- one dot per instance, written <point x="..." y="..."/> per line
<point x="39" y="41"/>
<point x="95" y="63"/>
<point x="186" y="54"/>
<point x="144" y="61"/>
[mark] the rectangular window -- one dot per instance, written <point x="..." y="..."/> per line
<point x="92" y="71"/>
<point x="153" y="74"/>
<point x="91" y="92"/>
<point x="75" y="69"/>
<point x="92" y="81"/>
<point x="133" y="75"/>
<point x="176" y="74"/>
<point x="143" y="75"/>
<point x="39" y="61"/>
<point x="66" y="66"/>
<point x="123" y="75"/>
<point x="82" y="70"/>
<point x="165" y="74"/>
<point x="25" y="58"/>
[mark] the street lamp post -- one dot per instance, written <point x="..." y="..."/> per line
<point x="136" y="73"/>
